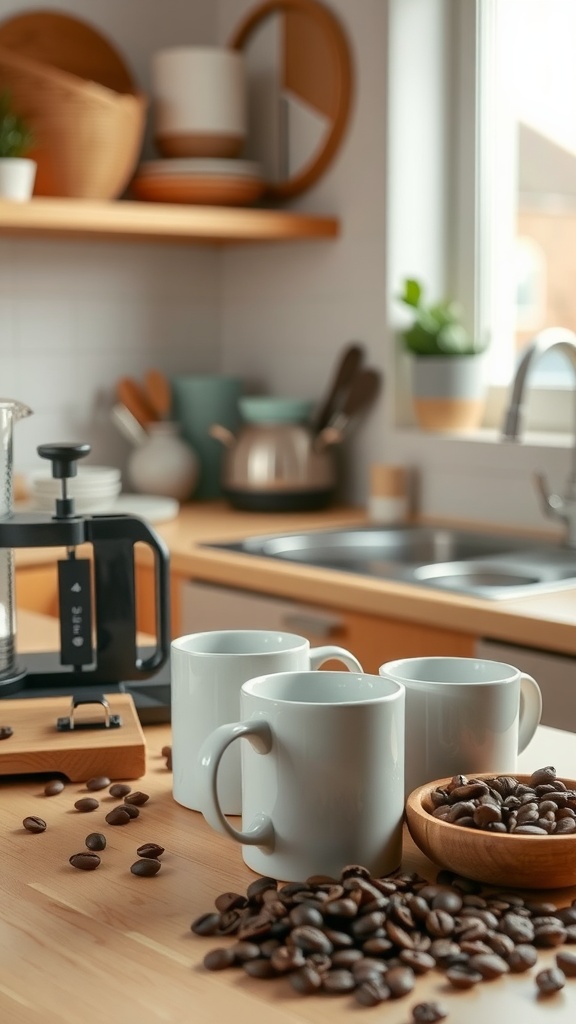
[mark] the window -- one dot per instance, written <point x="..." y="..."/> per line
<point x="526" y="185"/>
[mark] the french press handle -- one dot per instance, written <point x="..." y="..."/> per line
<point x="113" y="539"/>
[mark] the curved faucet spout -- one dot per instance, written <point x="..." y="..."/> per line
<point x="563" y="340"/>
<point x="551" y="338"/>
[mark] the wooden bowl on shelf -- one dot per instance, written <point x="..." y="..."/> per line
<point x="504" y="859"/>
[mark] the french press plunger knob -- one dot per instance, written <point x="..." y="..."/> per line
<point x="64" y="458"/>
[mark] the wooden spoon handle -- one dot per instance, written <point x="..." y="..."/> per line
<point x="159" y="393"/>
<point x="129" y="392"/>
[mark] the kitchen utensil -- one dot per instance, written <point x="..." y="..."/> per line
<point x="127" y="423"/>
<point x="525" y="861"/>
<point x="69" y="44"/>
<point x="362" y="390"/>
<point x="165" y="464"/>
<point x="346" y="367"/>
<point x="133" y="396"/>
<point x="276" y="467"/>
<point x="159" y="393"/>
<point x="82" y="753"/>
<point x="208" y="670"/>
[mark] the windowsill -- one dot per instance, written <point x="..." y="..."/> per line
<point x="490" y="436"/>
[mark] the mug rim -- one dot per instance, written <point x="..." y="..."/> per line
<point x="185" y="643"/>
<point x="390" y="669"/>
<point x="251" y="688"/>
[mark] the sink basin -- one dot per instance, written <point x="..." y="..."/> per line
<point x="469" y="562"/>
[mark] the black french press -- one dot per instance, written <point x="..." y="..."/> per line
<point x="97" y="600"/>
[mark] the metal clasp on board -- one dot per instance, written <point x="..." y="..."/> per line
<point x="70" y="723"/>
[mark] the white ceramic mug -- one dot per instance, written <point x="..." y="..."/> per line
<point x="464" y="715"/>
<point x="207" y="672"/>
<point x="200" y="102"/>
<point x="322" y="773"/>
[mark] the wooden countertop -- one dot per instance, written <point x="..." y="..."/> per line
<point x="107" y="945"/>
<point x="82" y="947"/>
<point x="544" y="621"/>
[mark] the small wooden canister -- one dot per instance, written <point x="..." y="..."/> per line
<point x="388" y="501"/>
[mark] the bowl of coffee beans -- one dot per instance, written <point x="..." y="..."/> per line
<point x="499" y="829"/>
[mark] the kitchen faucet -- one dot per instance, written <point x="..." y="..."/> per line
<point x="560" y="506"/>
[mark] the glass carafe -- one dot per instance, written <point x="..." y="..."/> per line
<point x="10" y="412"/>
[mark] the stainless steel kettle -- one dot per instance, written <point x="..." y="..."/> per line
<point x="283" y="467"/>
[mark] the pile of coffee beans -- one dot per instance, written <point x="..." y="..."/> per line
<point x="6" y="731"/>
<point x="373" y="937"/>
<point x="543" y="805"/>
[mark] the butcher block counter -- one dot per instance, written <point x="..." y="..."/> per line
<point x="81" y="947"/>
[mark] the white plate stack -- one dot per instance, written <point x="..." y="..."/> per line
<point x="94" y="488"/>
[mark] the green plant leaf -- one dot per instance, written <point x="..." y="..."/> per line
<point x="412" y="293"/>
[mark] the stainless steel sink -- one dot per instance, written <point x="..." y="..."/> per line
<point x="469" y="562"/>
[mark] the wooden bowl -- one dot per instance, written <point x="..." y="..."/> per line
<point x="518" y="861"/>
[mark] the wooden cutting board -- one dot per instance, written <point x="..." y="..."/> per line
<point x="36" y="744"/>
<point x="67" y="43"/>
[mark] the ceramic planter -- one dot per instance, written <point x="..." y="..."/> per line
<point x="17" y="176"/>
<point x="449" y="392"/>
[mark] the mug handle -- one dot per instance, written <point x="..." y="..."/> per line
<point x="318" y="655"/>
<point x="530" y="710"/>
<point x="261" y="831"/>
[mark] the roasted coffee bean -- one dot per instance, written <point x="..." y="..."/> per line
<point x="219" y="959"/>
<point x="131" y="810"/>
<point x="550" y="981"/>
<point x="566" y="961"/>
<point x="137" y="798"/>
<point x="6" y="731"/>
<point x="226" y="900"/>
<point x="489" y="965"/>
<point x="306" y="980"/>
<point x="462" y="976"/>
<point x="420" y="962"/>
<point x="34" y="824"/>
<point x="118" y="816"/>
<point x="152" y="850"/>
<point x="245" y="951"/>
<point x="85" y="861"/>
<point x="206" y="924"/>
<point x="522" y="958"/>
<point x="372" y="992"/>
<point x="146" y="866"/>
<point x="98" y="782"/>
<point x="346" y="957"/>
<point x="166" y="751"/>
<point x="53" y="787"/>
<point x="260" y="968"/>
<point x="311" y="939"/>
<point x="287" y="958"/>
<point x="400" y="981"/>
<point x="428" y="1013"/>
<point x="258" y="887"/>
<point x="95" y="841"/>
<point x="87" y="803"/>
<point x="305" y="914"/>
<point x="120" y="789"/>
<point x="337" y="982"/>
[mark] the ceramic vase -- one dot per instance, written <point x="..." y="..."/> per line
<point x="164" y="464"/>
<point x="449" y="392"/>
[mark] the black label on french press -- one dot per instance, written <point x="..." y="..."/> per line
<point x="74" y="587"/>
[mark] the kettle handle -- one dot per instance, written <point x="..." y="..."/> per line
<point x="113" y="538"/>
<point x="222" y="434"/>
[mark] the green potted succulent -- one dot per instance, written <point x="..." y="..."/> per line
<point x="17" y="170"/>
<point x="448" y="385"/>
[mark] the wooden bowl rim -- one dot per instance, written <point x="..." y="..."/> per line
<point x="415" y="806"/>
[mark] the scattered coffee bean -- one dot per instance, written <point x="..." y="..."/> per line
<point x="428" y="1013"/>
<point x="218" y="959"/>
<point x="87" y="803"/>
<point x="120" y="789"/>
<point x="338" y="981"/>
<point x="6" y="731"/>
<point x="567" y="963"/>
<point x="34" y="824"/>
<point x="95" y="841"/>
<point x="522" y="958"/>
<point x="85" y="861"/>
<point x="306" y="980"/>
<point x="131" y="810"/>
<point x="118" y="816"/>
<point x="53" y="787"/>
<point x="136" y="798"/>
<point x="146" y="866"/>
<point x="208" y="924"/>
<point x="167" y="754"/>
<point x="550" y="981"/>
<point x="150" y="850"/>
<point x="98" y="782"/>
<point x="372" y="992"/>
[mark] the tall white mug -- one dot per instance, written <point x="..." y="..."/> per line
<point x="464" y="715"/>
<point x="207" y="672"/>
<point x="322" y="773"/>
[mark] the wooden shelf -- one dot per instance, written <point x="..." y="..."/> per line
<point x="79" y="218"/>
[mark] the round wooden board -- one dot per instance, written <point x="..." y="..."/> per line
<point x="69" y="44"/>
<point x="182" y="188"/>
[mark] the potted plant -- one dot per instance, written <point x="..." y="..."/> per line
<point x="17" y="170"/>
<point x="447" y="364"/>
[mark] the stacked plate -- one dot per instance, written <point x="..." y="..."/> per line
<point x="218" y="182"/>
<point x="94" y="488"/>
